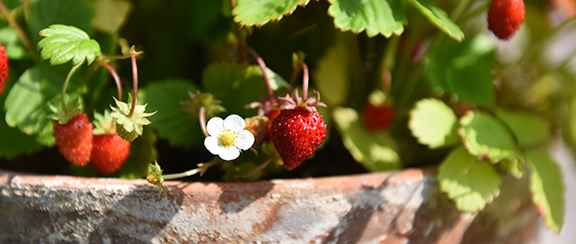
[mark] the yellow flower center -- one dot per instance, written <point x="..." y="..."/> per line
<point x="228" y="138"/>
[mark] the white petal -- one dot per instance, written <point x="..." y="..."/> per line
<point x="213" y="145"/>
<point x="245" y="140"/>
<point x="234" y="123"/>
<point x="229" y="153"/>
<point x="215" y="126"/>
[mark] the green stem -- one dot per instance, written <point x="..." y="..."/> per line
<point x="116" y="79"/>
<point x="21" y="34"/>
<point x="63" y="95"/>
<point x="182" y="175"/>
<point x="133" y="54"/>
<point x="191" y="172"/>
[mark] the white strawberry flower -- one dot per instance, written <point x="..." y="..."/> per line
<point x="227" y="137"/>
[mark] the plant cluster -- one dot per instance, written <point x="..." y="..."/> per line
<point x="403" y="84"/>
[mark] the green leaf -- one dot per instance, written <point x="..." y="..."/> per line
<point x="110" y="15"/>
<point x="384" y="17"/>
<point x="527" y="128"/>
<point x="469" y="183"/>
<point x="331" y="74"/>
<point x="515" y="167"/>
<point x="26" y="104"/>
<point x="13" y="142"/>
<point x="438" y="17"/>
<point x="463" y="69"/>
<point x="44" y="13"/>
<point x="171" y="121"/>
<point x="433" y="123"/>
<point x="260" y="12"/>
<point x="375" y="151"/>
<point x="487" y="137"/>
<point x="63" y="43"/>
<point x="547" y="188"/>
<point x="13" y="46"/>
<point x="237" y="85"/>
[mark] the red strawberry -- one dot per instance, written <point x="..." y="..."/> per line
<point x="505" y="17"/>
<point x="74" y="139"/>
<point x="109" y="153"/>
<point x="3" y="67"/>
<point x="378" y="117"/>
<point x="271" y="116"/>
<point x="298" y="130"/>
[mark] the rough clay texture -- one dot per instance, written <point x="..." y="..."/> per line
<point x="398" y="207"/>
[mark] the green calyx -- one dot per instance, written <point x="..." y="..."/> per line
<point x="103" y="123"/>
<point x="62" y="115"/>
<point x="130" y="125"/>
<point x="197" y="100"/>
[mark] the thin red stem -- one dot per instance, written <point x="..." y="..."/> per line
<point x="295" y="74"/>
<point x="203" y="121"/>
<point x="135" y="81"/>
<point x="305" y="82"/>
<point x="259" y="168"/>
<point x="116" y="79"/>
<point x="264" y="73"/>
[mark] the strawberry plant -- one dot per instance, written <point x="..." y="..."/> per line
<point x="201" y="89"/>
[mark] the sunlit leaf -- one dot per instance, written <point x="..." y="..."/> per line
<point x="384" y="17"/>
<point x="527" y="128"/>
<point x="375" y="151"/>
<point x="469" y="183"/>
<point x="63" y="43"/>
<point x="433" y="123"/>
<point x="260" y="12"/>
<point x="487" y="137"/>
<point x="547" y="188"/>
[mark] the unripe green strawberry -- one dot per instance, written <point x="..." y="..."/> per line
<point x="129" y="122"/>
<point x="126" y="135"/>
<point x="74" y="139"/>
<point x="3" y="67"/>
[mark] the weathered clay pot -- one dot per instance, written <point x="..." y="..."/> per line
<point x="396" y="207"/>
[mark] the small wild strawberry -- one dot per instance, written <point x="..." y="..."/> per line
<point x="3" y="67"/>
<point x="298" y="129"/>
<point x="378" y="117"/>
<point x="505" y="17"/>
<point x="109" y="151"/>
<point x="74" y="139"/>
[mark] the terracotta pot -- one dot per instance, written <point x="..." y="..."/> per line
<point x="396" y="207"/>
